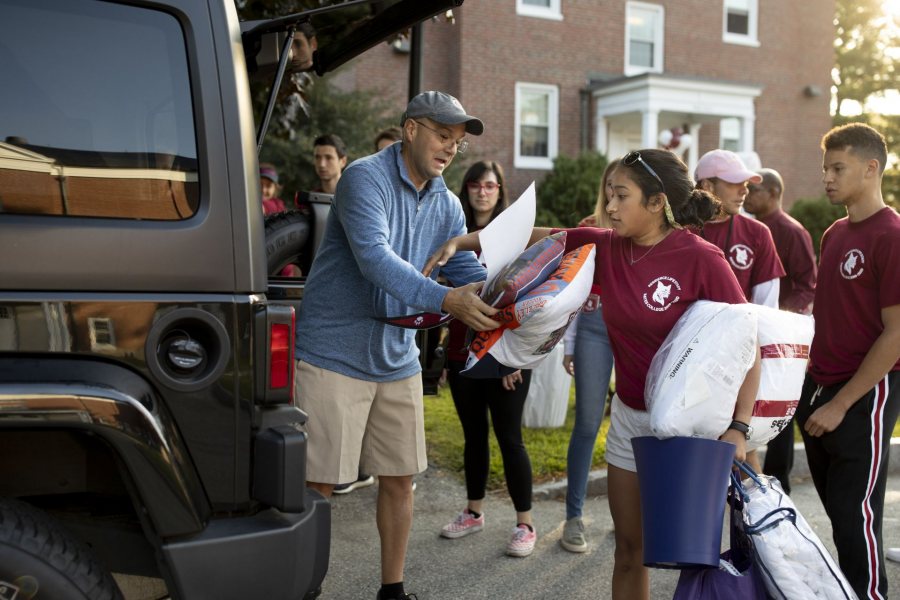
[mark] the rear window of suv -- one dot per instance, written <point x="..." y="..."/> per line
<point x="95" y="114"/>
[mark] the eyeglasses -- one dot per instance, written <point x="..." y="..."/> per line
<point x="489" y="187"/>
<point x="635" y="157"/>
<point x="461" y="145"/>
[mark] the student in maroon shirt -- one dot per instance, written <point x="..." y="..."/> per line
<point x="649" y="271"/>
<point x="851" y="397"/>
<point x="794" y="246"/>
<point x="747" y="245"/>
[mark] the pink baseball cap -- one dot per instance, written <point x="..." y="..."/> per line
<point x="724" y="165"/>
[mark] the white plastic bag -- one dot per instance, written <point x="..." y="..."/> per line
<point x="792" y="560"/>
<point x="784" y="341"/>
<point x="548" y="393"/>
<point x="693" y="381"/>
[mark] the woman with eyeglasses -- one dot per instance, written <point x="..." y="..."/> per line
<point x="483" y="198"/>
<point x="649" y="270"/>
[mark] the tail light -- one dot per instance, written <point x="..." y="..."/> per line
<point x="275" y="358"/>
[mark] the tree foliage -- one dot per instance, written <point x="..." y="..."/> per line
<point x="817" y="215"/>
<point x="866" y="50"/>
<point x="569" y="192"/>
<point x="354" y="116"/>
<point x="863" y="64"/>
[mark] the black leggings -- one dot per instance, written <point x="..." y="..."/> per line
<point x="473" y="398"/>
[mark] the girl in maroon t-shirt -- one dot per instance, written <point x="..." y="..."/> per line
<point x="649" y="271"/>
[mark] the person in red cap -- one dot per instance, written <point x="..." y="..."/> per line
<point x="747" y="244"/>
<point x="268" y="184"/>
<point x="851" y="396"/>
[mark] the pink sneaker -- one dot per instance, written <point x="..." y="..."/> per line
<point x="464" y="524"/>
<point x="522" y="541"/>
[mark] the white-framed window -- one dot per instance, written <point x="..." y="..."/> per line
<point x="644" y="25"/>
<point x="730" y="135"/>
<point x="101" y="333"/>
<point x="740" y="21"/>
<point x="544" y="9"/>
<point x="537" y="125"/>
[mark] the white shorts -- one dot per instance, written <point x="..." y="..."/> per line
<point x="625" y="423"/>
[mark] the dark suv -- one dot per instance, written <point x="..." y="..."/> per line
<point x="146" y="417"/>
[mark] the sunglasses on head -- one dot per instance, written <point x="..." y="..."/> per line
<point x="635" y="157"/>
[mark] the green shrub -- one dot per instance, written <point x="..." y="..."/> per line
<point x="569" y="192"/>
<point x="817" y="215"/>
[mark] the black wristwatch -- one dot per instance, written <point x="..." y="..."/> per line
<point x="744" y="428"/>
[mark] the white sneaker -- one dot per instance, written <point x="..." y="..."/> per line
<point x="892" y="554"/>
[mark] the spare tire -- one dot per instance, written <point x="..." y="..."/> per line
<point x="286" y="237"/>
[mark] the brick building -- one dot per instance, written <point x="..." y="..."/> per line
<point x="552" y="77"/>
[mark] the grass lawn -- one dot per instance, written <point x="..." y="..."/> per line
<point x="546" y="447"/>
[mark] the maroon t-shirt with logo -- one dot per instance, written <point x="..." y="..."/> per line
<point x="859" y="275"/>
<point x="642" y="301"/>
<point x="750" y="250"/>
<point x="794" y="246"/>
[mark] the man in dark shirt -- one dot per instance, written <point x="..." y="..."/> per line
<point x="797" y="288"/>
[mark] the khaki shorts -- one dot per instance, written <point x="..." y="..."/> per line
<point x="625" y="423"/>
<point x="356" y="425"/>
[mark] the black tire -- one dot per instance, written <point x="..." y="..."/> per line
<point x="41" y="561"/>
<point x="286" y="236"/>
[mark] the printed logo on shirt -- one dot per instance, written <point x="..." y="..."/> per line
<point x="853" y="264"/>
<point x="740" y="257"/>
<point x="663" y="293"/>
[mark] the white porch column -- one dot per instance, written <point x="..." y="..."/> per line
<point x="601" y="135"/>
<point x="748" y="126"/>
<point x="694" y="150"/>
<point x="649" y="128"/>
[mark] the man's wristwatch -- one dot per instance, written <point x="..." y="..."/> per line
<point x="744" y="428"/>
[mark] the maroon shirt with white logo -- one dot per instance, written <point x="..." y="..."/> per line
<point x="750" y="250"/>
<point x="859" y="275"/>
<point x="794" y="246"/>
<point x="642" y="301"/>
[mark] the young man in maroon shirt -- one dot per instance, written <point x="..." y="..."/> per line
<point x="747" y="245"/>
<point x="794" y="246"/>
<point x="851" y="397"/>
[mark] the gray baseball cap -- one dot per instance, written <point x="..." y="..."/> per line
<point x="441" y="108"/>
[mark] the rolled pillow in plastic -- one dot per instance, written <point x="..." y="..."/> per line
<point x="694" y="378"/>
<point x="526" y="272"/>
<point x="530" y="328"/>
<point x="784" y="342"/>
<point x="792" y="560"/>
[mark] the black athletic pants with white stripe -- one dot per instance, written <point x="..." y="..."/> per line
<point x="849" y="469"/>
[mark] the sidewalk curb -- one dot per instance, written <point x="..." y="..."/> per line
<point x="597" y="483"/>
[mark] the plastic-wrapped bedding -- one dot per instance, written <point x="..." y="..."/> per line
<point x="532" y="326"/>
<point x="791" y="558"/>
<point x="784" y="341"/>
<point x="694" y="378"/>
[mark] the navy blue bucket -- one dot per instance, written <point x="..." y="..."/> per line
<point x="683" y="483"/>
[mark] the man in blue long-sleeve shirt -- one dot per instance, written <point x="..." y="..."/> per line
<point x="358" y="378"/>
